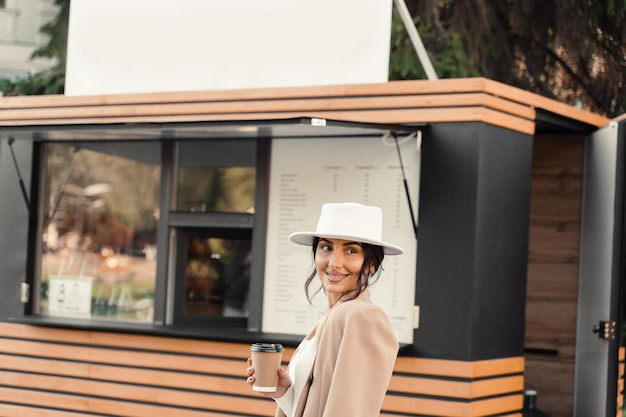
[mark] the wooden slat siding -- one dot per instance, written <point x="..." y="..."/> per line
<point x="469" y="389"/>
<point x="109" y="398"/>
<point x="126" y="393"/>
<point x="552" y="280"/>
<point x="383" y="414"/>
<point x="122" y="374"/>
<point x="98" y="406"/>
<point x="22" y="411"/>
<point x="143" y="375"/>
<point x="456" y="388"/>
<point x="127" y="375"/>
<point x="406" y="415"/>
<point x="450" y="100"/>
<point x="156" y="405"/>
<point x="459" y="369"/>
<point x="125" y="340"/>
<point x="145" y="359"/>
<point x="446" y="408"/>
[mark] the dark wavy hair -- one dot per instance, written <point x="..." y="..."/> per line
<point x="373" y="256"/>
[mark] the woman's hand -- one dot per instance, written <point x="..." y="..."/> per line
<point x="284" y="382"/>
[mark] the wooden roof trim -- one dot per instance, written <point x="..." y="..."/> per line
<point x="299" y="105"/>
<point x="389" y="108"/>
<point x="537" y="101"/>
<point x="452" y="85"/>
<point x="395" y="116"/>
<point x="499" y="101"/>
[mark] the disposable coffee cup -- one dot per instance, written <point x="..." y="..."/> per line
<point x="266" y="359"/>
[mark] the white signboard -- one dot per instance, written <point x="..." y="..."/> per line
<point x="70" y="296"/>
<point x="308" y="173"/>
<point x="134" y="46"/>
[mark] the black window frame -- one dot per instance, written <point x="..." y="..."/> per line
<point x="177" y="226"/>
<point x="172" y="227"/>
<point x="179" y="261"/>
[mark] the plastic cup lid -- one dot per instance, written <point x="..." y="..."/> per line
<point x="267" y="347"/>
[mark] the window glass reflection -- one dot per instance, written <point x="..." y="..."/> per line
<point x="98" y="240"/>
<point x="217" y="277"/>
<point x="216" y="176"/>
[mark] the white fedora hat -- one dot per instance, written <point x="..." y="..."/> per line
<point x="349" y="221"/>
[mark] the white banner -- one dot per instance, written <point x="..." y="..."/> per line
<point x="133" y="46"/>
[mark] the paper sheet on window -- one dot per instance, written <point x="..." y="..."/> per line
<point x="308" y="173"/>
<point x="70" y="296"/>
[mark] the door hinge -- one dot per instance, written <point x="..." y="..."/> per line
<point x="605" y="330"/>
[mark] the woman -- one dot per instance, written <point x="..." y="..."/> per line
<point x="343" y="366"/>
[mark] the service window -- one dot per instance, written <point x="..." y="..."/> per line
<point x="186" y="229"/>
<point x="100" y="208"/>
<point x="212" y="220"/>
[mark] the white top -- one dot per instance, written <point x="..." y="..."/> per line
<point x="299" y="371"/>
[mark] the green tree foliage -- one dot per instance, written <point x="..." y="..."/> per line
<point x="51" y="81"/>
<point x="449" y="59"/>
<point x="570" y="50"/>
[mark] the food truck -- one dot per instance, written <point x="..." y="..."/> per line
<point x="143" y="244"/>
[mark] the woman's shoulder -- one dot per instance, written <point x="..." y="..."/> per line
<point x="357" y="307"/>
<point x="361" y="316"/>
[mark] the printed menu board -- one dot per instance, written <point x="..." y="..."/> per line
<point x="306" y="173"/>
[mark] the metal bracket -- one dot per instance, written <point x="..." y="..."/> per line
<point x="414" y="36"/>
<point x="24" y="292"/>
<point x="605" y="330"/>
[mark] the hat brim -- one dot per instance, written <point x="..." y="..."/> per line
<point x="306" y="239"/>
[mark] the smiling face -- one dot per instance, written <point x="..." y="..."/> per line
<point x="338" y="264"/>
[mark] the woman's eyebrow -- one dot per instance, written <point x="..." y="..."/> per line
<point x="348" y="243"/>
<point x="359" y="244"/>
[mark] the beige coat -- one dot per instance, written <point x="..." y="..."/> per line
<point x="356" y="353"/>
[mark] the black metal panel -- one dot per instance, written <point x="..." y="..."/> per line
<point x="14" y="220"/>
<point x="501" y="248"/>
<point x="548" y="122"/>
<point x="473" y="242"/>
